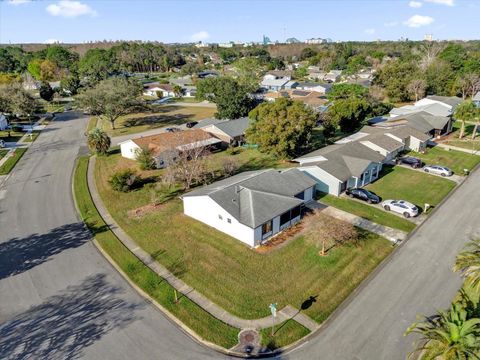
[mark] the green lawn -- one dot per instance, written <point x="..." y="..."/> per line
<point x="164" y="115"/>
<point x="455" y="160"/>
<point x="14" y="136"/>
<point x="34" y="136"/>
<point x="241" y="280"/>
<point x="3" y="153"/>
<point x="414" y="186"/>
<point x="188" y="312"/>
<point x="12" y="161"/>
<point x="367" y="212"/>
<point x="466" y="142"/>
<point x="284" y="334"/>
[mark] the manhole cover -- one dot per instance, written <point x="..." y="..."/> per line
<point x="248" y="337"/>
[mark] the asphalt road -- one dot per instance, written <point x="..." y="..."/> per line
<point x="60" y="298"/>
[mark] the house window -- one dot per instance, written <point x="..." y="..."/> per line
<point x="295" y="212"/>
<point x="267" y="227"/>
<point x="229" y="220"/>
<point x="285" y="218"/>
<point x="220" y="217"/>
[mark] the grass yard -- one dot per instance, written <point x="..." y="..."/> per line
<point x="12" y="161"/>
<point x="284" y="334"/>
<point x="164" y="115"/>
<point x="455" y="160"/>
<point x="466" y="142"/>
<point x="32" y="138"/>
<point x="367" y="212"/>
<point x="3" y="153"/>
<point x="240" y="280"/>
<point x="188" y="312"/>
<point x="414" y="186"/>
<point x="14" y="136"/>
<point x="92" y="123"/>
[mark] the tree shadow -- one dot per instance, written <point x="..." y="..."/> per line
<point x="154" y="121"/>
<point x="22" y="254"/>
<point x="64" y="324"/>
<point x="309" y="302"/>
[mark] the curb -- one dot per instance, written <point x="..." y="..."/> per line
<point x="376" y="271"/>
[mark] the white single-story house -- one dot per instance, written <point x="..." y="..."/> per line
<point x="165" y="147"/>
<point x="252" y="206"/>
<point x="311" y="86"/>
<point x="357" y="160"/>
<point x="3" y="122"/>
<point x="275" y="84"/>
<point x="153" y="89"/>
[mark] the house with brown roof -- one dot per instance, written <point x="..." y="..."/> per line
<point x="313" y="99"/>
<point x="166" y="147"/>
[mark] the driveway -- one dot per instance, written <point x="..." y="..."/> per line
<point x="59" y="298"/>
<point x="417" y="279"/>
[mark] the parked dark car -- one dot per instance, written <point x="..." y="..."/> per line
<point x="413" y="162"/>
<point x="173" y="129"/>
<point x="191" y="124"/>
<point x="364" y="195"/>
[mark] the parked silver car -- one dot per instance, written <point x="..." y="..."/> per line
<point x="401" y="206"/>
<point x="438" y="170"/>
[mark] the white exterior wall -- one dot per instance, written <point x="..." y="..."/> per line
<point x="325" y="182"/>
<point x="3" y="122"/>
<point x="129" y="149"/>
<point x="204" y="209"/>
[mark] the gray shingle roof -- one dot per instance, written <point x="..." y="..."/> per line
<point x="234" y="128"/>
<point x="449" y="100"/>
<point x="385" y="142"/>
<point x="255" y="197"/>
<point x="207" y="122"/>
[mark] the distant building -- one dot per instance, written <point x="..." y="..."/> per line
<point x="226" y="45"/>
<point x="316" y="41"/>
<point x="201" y="45"/>
<point x="428" y="37"/>
<point x="292" y="40"/>
<point x="266" y="40"/>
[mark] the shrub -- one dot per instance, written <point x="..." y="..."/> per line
<point x="98" y="141"/>
<point x="124" y="180"/>
<point x="145" y="159"/>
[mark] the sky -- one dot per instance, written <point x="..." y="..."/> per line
<point x="68" y="21"/>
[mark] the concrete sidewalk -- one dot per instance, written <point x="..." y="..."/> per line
<point x="288" y="312"/>
<point x="457" y="148"/>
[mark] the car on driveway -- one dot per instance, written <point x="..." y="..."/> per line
<point x="401" y="206"/>
<point x="191" y="124"/>
<point x="438" y="170"/>
<point x="363" y="194"/>
<point x="173" y="129"/>
<point x="411" y="161"/>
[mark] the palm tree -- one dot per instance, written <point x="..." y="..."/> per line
<point x="467" y="111"/>
<point x="98" y="141"/>
<point x="448" y="335"/>
<point x="178" y="91"/>
<point x="468" y="263"/>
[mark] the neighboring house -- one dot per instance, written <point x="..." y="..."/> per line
<point x="278" y="74"/>
<point x="166" y="147"/>
<point x="450" y="102"/>
<point x="182" y="81"/>
<point x="311" y="86"/>
<point x="3" y="122"/>
<point x="358" y="159"/>
<point x="476" y="99"/>
<point x="153" y="89"/>
<point x="229" y="131"/>
<point x="423" y="121"/>
<point x="252" y="206"/>
<point x="310" y="98"/>
<point x="189" y="91"/>
<point x="332" y="76"/>
<point x="274" y="84"/>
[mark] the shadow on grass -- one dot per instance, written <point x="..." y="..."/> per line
<point x="154" y="121"/>
<point x="64" y="324"/>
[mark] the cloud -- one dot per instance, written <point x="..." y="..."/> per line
<point x="369" y="31"/>
<point x="18" y="2"/>
<point x="52" y="41"/>
<point x="68" y="8"/>
<point x="415" y="4"/>
<point x="442" y="2"/>
<point x="391" y="24"/>
<point x="200" y="36"/>
<point x="418" y="20"/>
